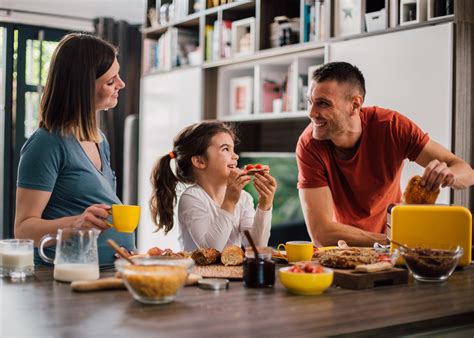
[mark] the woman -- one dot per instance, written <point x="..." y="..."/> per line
<point x="64" y="175"/>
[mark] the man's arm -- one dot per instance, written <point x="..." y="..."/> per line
<point x="444" y="168"/>
<point x="318" y="210"/>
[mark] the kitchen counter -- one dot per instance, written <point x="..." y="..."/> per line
<point x="40" y="306"/>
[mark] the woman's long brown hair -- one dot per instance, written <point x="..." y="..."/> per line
<point x="68" y="101"/>
<point x="191" y="141"/>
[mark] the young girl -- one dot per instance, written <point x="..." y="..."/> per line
<point x="213" y="211"/>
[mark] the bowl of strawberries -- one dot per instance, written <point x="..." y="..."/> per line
<point x="306" y="278"/>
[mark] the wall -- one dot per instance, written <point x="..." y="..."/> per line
<point x="169" y="102"/>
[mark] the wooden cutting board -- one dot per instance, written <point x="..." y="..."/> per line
<point x="350" y="279"/>
<point x="220" y="271"/>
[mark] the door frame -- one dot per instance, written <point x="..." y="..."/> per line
<point x="14" y="122"/>
<point x="5" y="142"/>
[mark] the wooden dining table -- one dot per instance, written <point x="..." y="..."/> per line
<point x="40" y="306"/>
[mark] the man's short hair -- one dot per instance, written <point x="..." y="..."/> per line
<point x="341" y="72"/>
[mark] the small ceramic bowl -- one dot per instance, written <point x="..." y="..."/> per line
<point x="304" y="283"/>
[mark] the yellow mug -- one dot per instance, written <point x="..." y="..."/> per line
<point x="297" y="251"/>
<point x="125" y="218"/>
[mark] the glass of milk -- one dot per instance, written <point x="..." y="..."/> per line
<point x="16" y="258"/>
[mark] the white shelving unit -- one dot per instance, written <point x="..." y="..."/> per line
<point x="262" y="130"/>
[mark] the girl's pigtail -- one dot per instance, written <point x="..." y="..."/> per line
<point x="163" y="197"/>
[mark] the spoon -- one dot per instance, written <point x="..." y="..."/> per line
<point x="119" y="250"/>
<point x="252" y="244"/>
<point x="402" y="245"/>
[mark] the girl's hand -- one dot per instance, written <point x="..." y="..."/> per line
<point x="266" y="186"/>
<point x="235" y="183"/>
<point x="94" y="216"/>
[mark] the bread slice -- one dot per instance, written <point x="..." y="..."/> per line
<point x="232" y="255"/>
<point x="262" y="169"/>
<point x="415" y="193"/>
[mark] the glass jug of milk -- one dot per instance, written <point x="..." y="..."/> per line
<point x="76" y="254"/>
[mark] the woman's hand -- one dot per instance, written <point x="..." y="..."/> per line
<point x="266" y="186"/>
<point x="94" y="216"/>
<point x="236" y="181"/>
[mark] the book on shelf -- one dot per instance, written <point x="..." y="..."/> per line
<point x="215" y="3"/>
<point x="176" y="47"/>
<point x="150" y="58"/>
<point x="319" y="17"/>
<point x="314" y="20"/>
<point x="288" y="89"/>
<point x="209" y="41"/>
<point x="216" y="40"/>
<point x="226" y="39"/>
<point x="221" y="34"/>
<point x="181" y="9"/>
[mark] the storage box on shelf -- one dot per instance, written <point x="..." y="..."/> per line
<point x="376" y="15"/>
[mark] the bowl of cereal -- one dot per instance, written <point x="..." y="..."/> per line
<point x="154" y="280"/>
<point x="431" y="265"/>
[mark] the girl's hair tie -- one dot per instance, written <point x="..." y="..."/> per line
<point x="171" y="153"/>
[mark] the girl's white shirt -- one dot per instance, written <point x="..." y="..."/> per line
<point x="204" y="224"/>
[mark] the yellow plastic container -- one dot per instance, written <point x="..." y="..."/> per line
<point x="432" y="226"/>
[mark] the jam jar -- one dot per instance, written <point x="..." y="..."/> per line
<point x="259" y="272"/>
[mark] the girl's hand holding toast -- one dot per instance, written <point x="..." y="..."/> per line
<point x="266" y="186"/>
<point x="237" y="180"/>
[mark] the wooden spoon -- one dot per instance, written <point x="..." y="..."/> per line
<point x="252" y="244"/>
<point x="119" y="250"/>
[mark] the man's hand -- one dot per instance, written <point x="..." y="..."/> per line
<point x="437" y="173"/>
<point x="443" y="168"/>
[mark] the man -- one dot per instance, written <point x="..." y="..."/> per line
<point x="350" y="160"/>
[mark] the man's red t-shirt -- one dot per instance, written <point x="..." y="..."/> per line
<point x="362" y="187"/>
